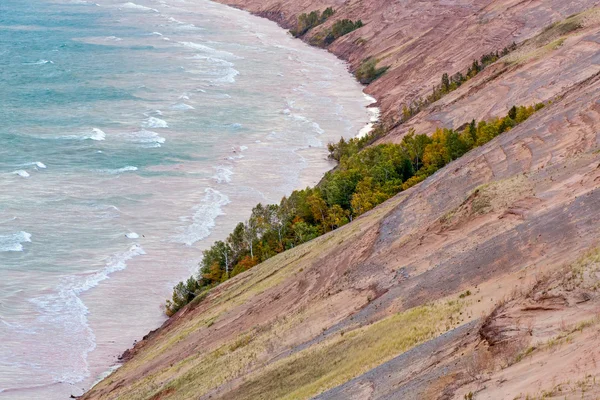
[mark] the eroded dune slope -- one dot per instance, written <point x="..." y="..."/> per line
<point x="479" y="283"/>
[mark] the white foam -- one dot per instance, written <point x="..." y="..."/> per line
<point x="146" y="137"/>
<point x="134" y="6"/>
<point x="97" y="135"/>
<point x="153" y="122"/>
<point x="207" y="49"/>
<point x="37" y="164"/>
<point x="318" y="128"/>
<point x="22" y="173"/>
<point x="229" y="76"/>
<point x="182" y="107"/>
<point x="375" y="115"/>
<point x="156" y="34"/>
<point x="213" y="60"/>
<point x="171" y="19"/>
<point x="365" y="130"/>
<point x="63" y="310"/>
<point x="128" y="168"/>
<point x="132" y="235"/>
<point x="188" y="27"/>
<point x="223" y="174"/>
<point x="39" y="62"/>
<point x="14" y="242"/>
<point x="93" y="134"/>
<point x="370" y="99"/>
<point x="204" y="217"/>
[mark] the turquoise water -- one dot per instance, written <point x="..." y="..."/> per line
<point x="133" y="135"/>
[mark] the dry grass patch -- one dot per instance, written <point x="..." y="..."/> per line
<point x="553" y="36"/>
<point x="342" y="358"/>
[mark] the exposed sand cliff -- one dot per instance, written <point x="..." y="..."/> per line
<point x="421" y="40"/>
<point x="479" y="283"/>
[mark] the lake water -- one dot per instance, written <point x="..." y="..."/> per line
<point x="132" y="136"/>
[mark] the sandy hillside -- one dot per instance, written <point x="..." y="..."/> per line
<point x="482" y="282"/>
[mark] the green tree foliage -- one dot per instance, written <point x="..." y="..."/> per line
<point x="308" y="21"/>
<point x="183" y="293"/>
<point x="365" y="177"/>
<point x="339" y="29"/>
<point x="368" y="71"/>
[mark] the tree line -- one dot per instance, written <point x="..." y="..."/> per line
<point x="366" y="176"/>
<point x="451" y="83"/>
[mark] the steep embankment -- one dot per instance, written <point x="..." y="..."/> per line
<point x="421" y="40"/>
<point x="480" y="282"/>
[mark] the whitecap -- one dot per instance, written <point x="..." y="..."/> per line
<point x="156" y="34"/>
<point x="188" y="27"/>
<point x="22" y="173"/>
<point x="182" y="107"/>
<point x="14" y="242"/>
<point x="132" y="235"/>
<point x="39" y="62"/>
<point x="93" y="134"/>
<point x="134" y="6"/>
<point x="175" y="20"/>
<point x="209" y="50"/>
<point x="146" y="137"/>
<point x="229" y="77"/>
<point x="213" y="60"/>
<point x="96" y="134"/>
<point x="37" y="164"/>
<point x="153" y="122"/>
<point x="128" y="168"/>
<point x="204" y="217"/>
<point x="223" y="174"/>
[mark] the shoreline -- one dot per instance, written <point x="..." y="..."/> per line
<point x="375" y="116"/>
<point x="309" y="179"/>
<point x="312" y="102"/>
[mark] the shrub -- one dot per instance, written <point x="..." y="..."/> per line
<point x="368" y="71"/>
<point x="308" y="21"/>
<point x="341" y="28"/>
